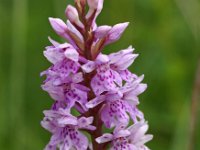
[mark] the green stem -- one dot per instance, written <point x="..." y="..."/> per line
<point x="194" y="109"/>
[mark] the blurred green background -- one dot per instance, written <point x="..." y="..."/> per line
<point x="166" y="34"/>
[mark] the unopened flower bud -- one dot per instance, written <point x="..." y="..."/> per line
<point x="72" y="15"/>
<point x="58" y="25"/>
<point x="95" y="7"/>
<point x="102" y="31"/>
<point x="116" y="32"/>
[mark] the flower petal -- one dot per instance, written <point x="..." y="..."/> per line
<point x="53" y="42"/>
<point x="84" y="123"/>
<point x="102" y="31"/>
<point x="96" y="101"/>
<point x="53" y="55"/>
<point x="72" y="14"/>
<point x="77" y="78"/>
<point x="116" y="32"/>
<point x="101" y="58"/>
<point x="104" y="138"/>
<point x="88" y="67"/>
<point x="122" y="133"/>
<point x="95" y="7"/>
<point x="58" y="25"/>
<point x="128" y="60"/>
<point x="116" y="57"/>
<point x="72" y="29"/>
<point x="72" y="54"/>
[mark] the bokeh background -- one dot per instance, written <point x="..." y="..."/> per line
<point x="166" y="34"/>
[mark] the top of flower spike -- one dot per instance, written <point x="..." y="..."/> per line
<point x="81" y="30"/>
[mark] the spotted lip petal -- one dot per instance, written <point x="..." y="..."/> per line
<point x="77" y="94"/>
<point x="61" y="72"/>
<point x="119" y="103"/>
<point x="104" y="80"/>
<point x="65" y="129"/>
<point x="85" y="123"/>
<point x="114" y="113"/>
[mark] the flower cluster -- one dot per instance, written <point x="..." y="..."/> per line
<point x="91" y="90"/>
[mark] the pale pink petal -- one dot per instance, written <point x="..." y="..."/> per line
<point x="53" y="42"/>
<point x="58" y="25"/>
<point x="144" y="139"/>
<point x="72" y="54"/>
<point x="77" y="78"/>
<point x="104" y="138"/>
<point x="66" y="120"/>
<point x="96" y="101"/>
<point x="102" y="31"/>
<point x="140" y="88"/>
<point x="116" y="32"/>
<point x="94" y="5"/>
<point x="85" y="123"/>
<point x="88" y="67"/>
<point x="138" y="137"/>
<point x="128" y="60"/>
<point x="53" y="55"/>
<point x="117" y="78"/>
<point x="122" y="133"/>
<point x="72" y="14"/>
<point x="61" y="29"/>
<point x="55" y="92"/>
<point x="74" y="30"/>
<point x="102" y="58"/>
<point x="115" y="57"/>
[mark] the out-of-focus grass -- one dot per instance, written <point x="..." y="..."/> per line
<point x="17" y="75"/>
<point x="159" y="31"/>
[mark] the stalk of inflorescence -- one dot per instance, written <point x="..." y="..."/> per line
<point x="99" y="87"/>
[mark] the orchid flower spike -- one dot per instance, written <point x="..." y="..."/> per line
<point x="92" y="90"/>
